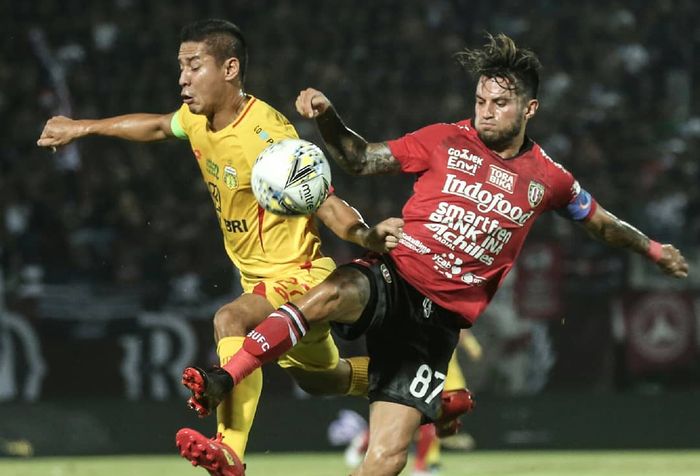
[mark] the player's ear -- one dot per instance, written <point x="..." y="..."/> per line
<point x="531" y="108"/>
<point x="232" y="68"/>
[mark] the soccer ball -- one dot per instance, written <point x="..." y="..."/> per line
<point x="291" y="177"/>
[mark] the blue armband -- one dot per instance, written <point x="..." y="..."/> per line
<point x="581" y="206"/>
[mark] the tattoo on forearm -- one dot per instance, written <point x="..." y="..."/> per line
<point x="351" y="151"/>
<point x="380" y="160"/>
<point x="616" y="232"/>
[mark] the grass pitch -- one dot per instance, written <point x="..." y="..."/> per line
<point x="481" y="463"/>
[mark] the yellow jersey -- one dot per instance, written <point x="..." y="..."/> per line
<point x="260" y="244"/>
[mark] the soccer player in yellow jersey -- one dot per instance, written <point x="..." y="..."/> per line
<point x="278" y="258"/>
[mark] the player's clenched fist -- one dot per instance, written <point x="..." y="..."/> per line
<point x="59" y="130"/>
<point x="385" y="235"/>
<point x="672" y="262"/>
<point x="312" y="103"/>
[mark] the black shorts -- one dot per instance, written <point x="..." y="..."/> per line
<point x="410" y="339"/>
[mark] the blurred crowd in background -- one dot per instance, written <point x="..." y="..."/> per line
<point x="619" y="108"/>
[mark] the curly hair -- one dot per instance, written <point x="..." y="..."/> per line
<point x="500" y="58"/>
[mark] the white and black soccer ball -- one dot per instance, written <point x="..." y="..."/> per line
<point x="291" y="177"/>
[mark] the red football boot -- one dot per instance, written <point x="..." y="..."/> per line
<point x="210" y="453"/>
<point x="208" y="388"/>
<point x="454" y="404"/>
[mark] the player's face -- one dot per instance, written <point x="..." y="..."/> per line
<point x="499" y="113"/>
<point x="202" y="80"/>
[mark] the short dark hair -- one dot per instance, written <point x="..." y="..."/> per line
<point x="501" y="58"/>
<point x="224" y="40"/>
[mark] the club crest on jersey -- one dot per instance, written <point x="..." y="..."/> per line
<point x="535" y="193"/>
<point x="502" y="178"/>
<point x="230" y="177"/>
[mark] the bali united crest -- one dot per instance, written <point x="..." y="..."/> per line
<point x="535" y="193"/>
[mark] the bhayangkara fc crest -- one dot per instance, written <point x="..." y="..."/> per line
<point x="535" y="193"/>
<point x="230" y="177"/>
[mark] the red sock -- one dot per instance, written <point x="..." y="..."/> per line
<point x="274" y="336"/>
<point x="426" y="435"/>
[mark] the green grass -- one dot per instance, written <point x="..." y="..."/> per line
<point x="481" y="463"/>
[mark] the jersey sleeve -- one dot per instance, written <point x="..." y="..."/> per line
<point x="277" y="127"/>
<point x="568" y="199"/>
<point x="413" y="150"/>
<point x="179" y="123"/>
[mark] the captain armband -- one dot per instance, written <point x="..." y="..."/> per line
<point x="581" y="207"/>
<point x="176" y="127"/>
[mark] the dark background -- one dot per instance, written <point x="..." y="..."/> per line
<point x="112" y="261"/>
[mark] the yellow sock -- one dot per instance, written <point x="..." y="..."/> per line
<point x="455" y="377"/>
<point x="433" y="456"/>
<point x="359" y="380"/>
<point x="236" y="413"/>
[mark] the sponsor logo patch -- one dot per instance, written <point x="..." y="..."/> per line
<point x="414" y="244"/>
<point x="502" y="178"/>
<point x="472" y="279"/>
<point x="427" y="308"/>
<point x="212" y="168"/>
<point x="385" y="273"/>
<point x="487" y="201"/>
<point x="535" y="193"/>
<point x="463" y="160"/>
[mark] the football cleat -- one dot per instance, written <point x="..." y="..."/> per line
<point x="208" y="388"/>
<point x="454" y="404"/>
<point x="211" y="454"/>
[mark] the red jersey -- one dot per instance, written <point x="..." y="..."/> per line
<point x="471" y="211"/>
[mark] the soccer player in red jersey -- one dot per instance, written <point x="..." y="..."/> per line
<point x="481" y="183"/>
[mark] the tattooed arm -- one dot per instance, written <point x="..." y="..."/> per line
<point x="606" y="227"/>
<point x="353" y="153"/>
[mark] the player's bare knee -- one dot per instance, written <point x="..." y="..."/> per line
<point x="384" y="462"/>
<point x="231" y="320"/>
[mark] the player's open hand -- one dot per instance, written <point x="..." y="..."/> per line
<point x="312" y="103"/>
<point x="60" y="130"/>
<point x="384" y="236"/>
<point x="672" y="262"/>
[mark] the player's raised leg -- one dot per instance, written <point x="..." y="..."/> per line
<point x="342" y="297"/>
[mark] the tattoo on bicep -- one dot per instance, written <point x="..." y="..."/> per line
<point x="380" y="160"/>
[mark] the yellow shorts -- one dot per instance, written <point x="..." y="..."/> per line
<point x="316" y="351"/>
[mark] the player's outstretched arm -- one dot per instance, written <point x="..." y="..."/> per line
<point x="608" y="228"/>
<point x="61" y="130"/>
<point x="350" y="150"/>
<point x="347" y="223"/>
